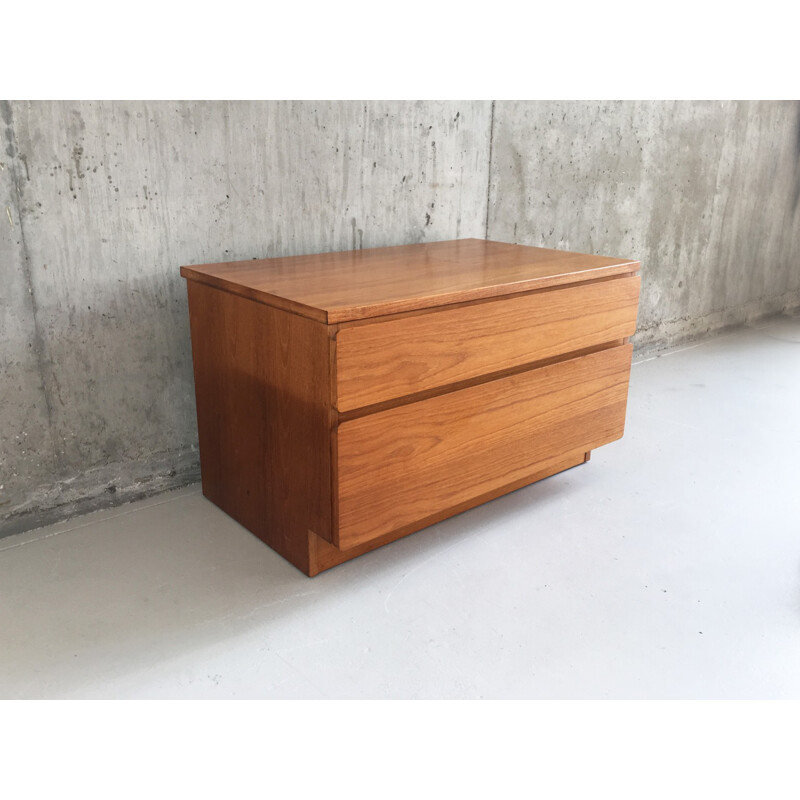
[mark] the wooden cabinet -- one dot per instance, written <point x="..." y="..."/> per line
<point x="347" y="399"/>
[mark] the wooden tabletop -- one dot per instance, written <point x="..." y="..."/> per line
<point x="337" y="287"/>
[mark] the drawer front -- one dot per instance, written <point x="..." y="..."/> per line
<point x="403" y="465"/>
<point x="381" y="361"/>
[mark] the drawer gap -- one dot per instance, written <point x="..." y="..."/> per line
<point x="355" y="413"/>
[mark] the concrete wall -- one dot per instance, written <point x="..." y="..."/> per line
<point x="704" y="194"/>
<point x="102" y="202"/>
<point x="105" y="202"/>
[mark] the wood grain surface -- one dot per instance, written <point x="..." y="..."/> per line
<point x="379" y="361"/>
<point x="323" y="555"/>
<point x="263" y="417"/>
<point x="336" y="287"/>
<point x="403" y="465"/>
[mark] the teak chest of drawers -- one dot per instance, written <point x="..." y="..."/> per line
<point x="347" y="399"/>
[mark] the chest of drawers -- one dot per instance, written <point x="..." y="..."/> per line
<point x="347" y="399"/>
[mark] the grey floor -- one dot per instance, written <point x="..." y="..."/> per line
<point x="666" y="567"/>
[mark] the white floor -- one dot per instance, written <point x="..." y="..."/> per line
<point x="667" y="567"/>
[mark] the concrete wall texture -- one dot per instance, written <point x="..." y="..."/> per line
<point x="103" y="201"/>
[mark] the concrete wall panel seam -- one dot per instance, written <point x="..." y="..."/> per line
<point x="489" y="172"/>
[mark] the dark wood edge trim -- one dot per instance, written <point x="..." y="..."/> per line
<point x="333" y="371"/>
<point x="333" y="453"/>
<point x="363" y="411"/>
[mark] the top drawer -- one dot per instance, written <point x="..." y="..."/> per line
<point x="381" y="361"/>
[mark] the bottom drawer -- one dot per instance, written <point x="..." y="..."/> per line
<point x="405" y="464"/>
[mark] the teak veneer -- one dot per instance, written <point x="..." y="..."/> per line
<point x="347" y="399"/>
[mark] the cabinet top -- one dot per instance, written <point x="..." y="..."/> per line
<point x="338" y="287"/>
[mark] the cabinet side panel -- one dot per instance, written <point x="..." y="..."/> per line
<point x="262" y="388"/>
